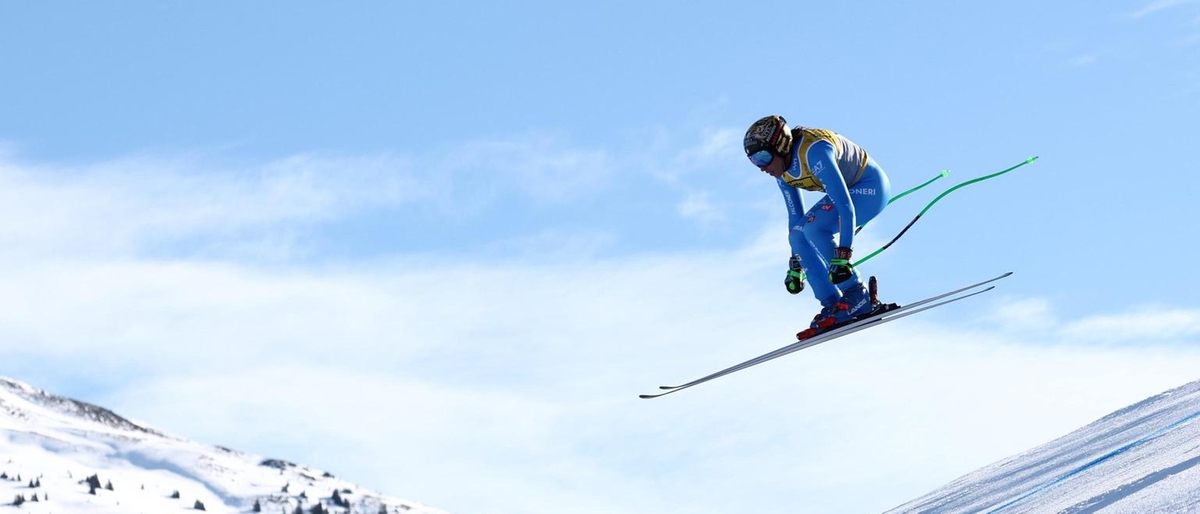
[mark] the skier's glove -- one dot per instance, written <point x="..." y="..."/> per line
<point x="795" y="276"/>
<point x="840" y="269"/>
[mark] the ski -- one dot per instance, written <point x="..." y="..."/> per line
<point x="868" y="322"/>
<point x="844" y="329"/>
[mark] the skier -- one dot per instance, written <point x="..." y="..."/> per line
<point x="856" y="190"/>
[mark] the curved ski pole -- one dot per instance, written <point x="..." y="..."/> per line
<point x="935" y="200"/>
<point x="942" y="174"/>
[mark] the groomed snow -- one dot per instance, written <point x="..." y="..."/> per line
<point x="1143" y="459"/>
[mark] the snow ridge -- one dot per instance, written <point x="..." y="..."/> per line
<point x="72" y="407"/>
<point x="63" y="456"/>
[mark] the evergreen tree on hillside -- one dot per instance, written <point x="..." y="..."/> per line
<point x="339" y="501"/>
<point x="93" y="483"/>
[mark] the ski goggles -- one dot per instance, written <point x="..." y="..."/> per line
<point x="761" y="158"/>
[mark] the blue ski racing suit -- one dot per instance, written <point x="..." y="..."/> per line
<point x="856" y="190"/>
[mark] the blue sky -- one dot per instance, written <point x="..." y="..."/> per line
<point x="461" y="215"/>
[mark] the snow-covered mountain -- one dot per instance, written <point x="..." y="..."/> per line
<point x="63" y="456"/>
<point x="1142" y="459"/>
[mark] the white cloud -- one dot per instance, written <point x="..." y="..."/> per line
<point x="521" y="381"/>
<point x="1084" y="61"/>
<point x="484" y="385"/>
<point x="554" y="245"/>
<point x="544" y="168"/>
<point x="1157" y="323"/>
<point x="715" y="145"/>
<point x="1157" y="6"/>
<point x="114" y="207"/>
<point x="896" y="411"/>
<point x="1028" y="315"/>
<point x="120" y="207"/>
<point x="716" y="152"/>
<point x="698" y="206"/>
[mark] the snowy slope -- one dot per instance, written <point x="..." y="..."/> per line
<point x="55" y="444"/>
<point x="1142" y="459"/>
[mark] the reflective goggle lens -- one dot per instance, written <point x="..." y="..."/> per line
<point x="762" y="158"/>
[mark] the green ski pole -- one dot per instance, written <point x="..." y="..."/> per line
<point x="935" y="200"/>
<point x="943" y="174"/>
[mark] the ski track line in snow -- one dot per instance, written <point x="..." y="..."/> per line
<point x="1093" y="505"/>
<point x="1138" y="442"/>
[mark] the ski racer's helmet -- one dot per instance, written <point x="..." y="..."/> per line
<point x="771" y="135"/>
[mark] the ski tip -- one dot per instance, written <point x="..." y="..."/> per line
<point x="668" y="388"/>
<point x="648" y="396"/>
<point x="945" y="173"/>
<point x="1031" y="159"/>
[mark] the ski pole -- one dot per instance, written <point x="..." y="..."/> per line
<point x="944" y="173"/>
<point x="935" y="200"/>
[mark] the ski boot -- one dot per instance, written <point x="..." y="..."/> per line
<point x="836" y="311"/>
<point x="857" y="302"/>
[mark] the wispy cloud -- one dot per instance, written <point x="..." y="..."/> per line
<point x="543" y="168"/>
<point x="715" y="150"/>
<point x="113" y="207"/>
<point x="1084" y="61"/>
<point x="536" y="385"/>
<point x="1159" y="323"/>
<point x="126" y="206"/>
<point x="699" y="206"/>
<point x="1157" y="6"/>
<point x="1030" y="314"/>
<point x="1034" y="316"/>
<point x="417" y="375"/>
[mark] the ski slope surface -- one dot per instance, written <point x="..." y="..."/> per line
<point x="1143" y="459"/>
<point x="51" y="446"/>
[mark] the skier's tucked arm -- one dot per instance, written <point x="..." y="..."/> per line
<point x="794" y="281"/>
<point x="795" y="207"/>
<point x="823" y="163"/>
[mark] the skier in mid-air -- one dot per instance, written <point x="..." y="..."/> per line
<point x="856" y="190"/>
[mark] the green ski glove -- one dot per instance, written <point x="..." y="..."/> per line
<point x="795" y="276"/>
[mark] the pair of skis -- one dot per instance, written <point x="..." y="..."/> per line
<point x="844" y="330"/>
